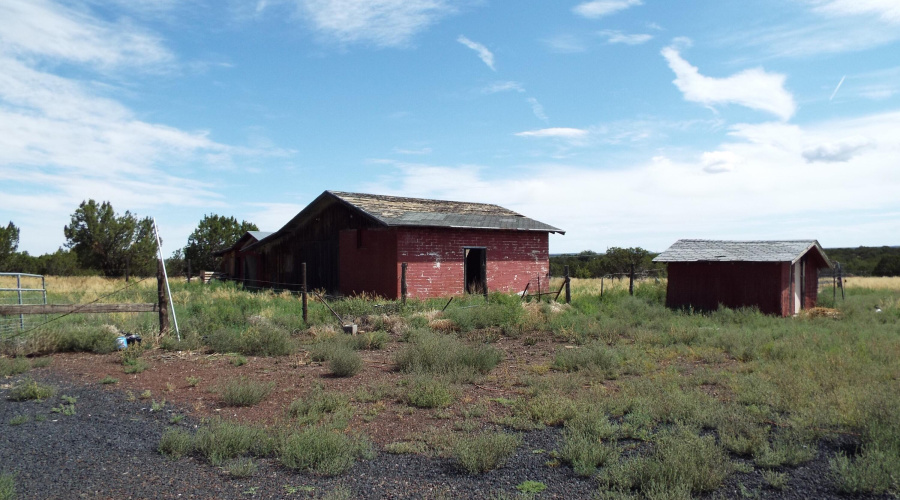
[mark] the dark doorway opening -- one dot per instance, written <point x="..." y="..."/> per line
<point x="475" y="270"/>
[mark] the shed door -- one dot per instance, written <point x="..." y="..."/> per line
<point x="798" y="287"/>
<point x="475" y="270"/>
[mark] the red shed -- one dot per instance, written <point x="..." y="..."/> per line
<point x="778" y="277"/>
<point x="356" y="243"/>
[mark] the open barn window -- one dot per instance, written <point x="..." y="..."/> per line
<point x="475" y="270"/>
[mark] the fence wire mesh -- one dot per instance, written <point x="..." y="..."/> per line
<point x="21" y="289"/>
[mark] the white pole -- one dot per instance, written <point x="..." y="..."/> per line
<point x="166" y="277"/>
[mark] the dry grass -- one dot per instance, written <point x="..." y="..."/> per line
<point x="591" y="286"/>
<point x="874" y="283"/>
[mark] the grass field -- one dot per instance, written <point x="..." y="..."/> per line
<point x="639" y="390"/>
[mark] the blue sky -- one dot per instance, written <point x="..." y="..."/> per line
<point x="624" y="122"/>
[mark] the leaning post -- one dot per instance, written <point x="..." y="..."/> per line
<point x="303" y="293"/>
<point x="568" y="289"/>
<point x="163" y="301"/>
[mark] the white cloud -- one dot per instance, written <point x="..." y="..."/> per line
<point x="753" y="88"/>
<point x="44" y="29"/>
<point x="600" y="8"/>
<point x="886" y="10"/>
<point x="624" y="38"/>
<point x="831" y="152"/>
<point x="537" y="109"/>
<point x="717" y="162"/>
<point x="555" y="132"/>
<point x="503" y="87"/>
<point x="420" y="151"/>
<point x="384" y="23"/>
<point x="770" y="191"/>
<point x="486" y="56"/>
<point x="565" y="44"/>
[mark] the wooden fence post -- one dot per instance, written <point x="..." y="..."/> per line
<point x="568" y="290"/>
<point x="403" y="288"/>
<point x="303" y="291"/>
<point x="189" y="270"/>
<point x="163" y="301"/>
<point x="631" y="281"/>
<point x="602" y="278"/>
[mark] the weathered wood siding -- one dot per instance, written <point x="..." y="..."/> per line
<point x="704" y="285"/>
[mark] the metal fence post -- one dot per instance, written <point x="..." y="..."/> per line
<point x="19" y="293"/>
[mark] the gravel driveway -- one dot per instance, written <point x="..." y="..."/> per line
<point x="107" y="449"/>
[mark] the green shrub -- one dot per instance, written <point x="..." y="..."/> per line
<point x="322" y="451"/>
<point x="428" y="392"/>
<point x="243" y="391"/>
<point x="486" y="451"/>
<point x="18" y="420"/>
<point x="220" y="440"/>
<point x="241" y="467"/>
<point x="13" y="366"/>
<point x="7" y="486"/>
<point x="135" y="365"/>
<point x="176" y="443"/>
<point x="319" y="406"/>
<point x="594" y="357"/>
<point x="109" y="380"/>
<point x="436" y="354"/>
<point x="27" y="389"/>
<point x="256" y="340"/>
<point x="681" y="461"/>
<point x="344" y="362"/>
<point x="371" y="341"/>
<point x="585" y="442"/>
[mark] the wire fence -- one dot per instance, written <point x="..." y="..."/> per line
<point x="21" y="289"/>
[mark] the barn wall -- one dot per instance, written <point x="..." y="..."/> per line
<point x="705" y="285"/>
<point x="316" y="242"/>
<point x="435" y="259"/>
<point x="369" y="262"/>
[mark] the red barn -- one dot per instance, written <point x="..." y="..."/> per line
<point x="356" y="243"/>
<point x="239" y="263"/>
<point x="778" y="277"/>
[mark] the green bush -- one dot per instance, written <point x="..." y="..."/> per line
<point x="220" y="440"/>
<point x="344" y="362"/>
<point x="243" y="391"/>
<point x="319" y="405"/>
<point x="594" y="357"/>
<point x="370" y="341"/>
<point x="586" y="442"/>
<point x="428" y="392"/>
<point x="435" y="354"/>
<point x="241" y="467"/>
<point x="13" y="366"/>
<point x="7" y="486"/>
<point x="681" y="461"/>
<point x="486" y="451"/>
<point x="322" y="451"/>
<point x="27" y="389"/>
<point x="176" y="443"/>
<point x="257" y="340"/>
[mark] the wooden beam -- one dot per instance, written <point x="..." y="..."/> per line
<point x="11" y="310"/>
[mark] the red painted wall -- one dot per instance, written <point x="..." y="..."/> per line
<point x="705" y="285"/>
<point x="435" y="259"/>
<point x="368" y="262"/>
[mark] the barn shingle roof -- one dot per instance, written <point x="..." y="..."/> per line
<point x="740" y="251"/>
<point x="400" y="211"/>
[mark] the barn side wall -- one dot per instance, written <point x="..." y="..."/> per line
<point x="812" y="284"/>
<point x="705" y="285"/>
<point x="435" y="259"/>
<point x="369" y="262"/>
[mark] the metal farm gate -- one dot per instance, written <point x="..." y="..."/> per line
<point x="24" y="292"/>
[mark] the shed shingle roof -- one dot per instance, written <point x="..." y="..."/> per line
<point x="400" y="211"/>
<point x="740" y="251"/>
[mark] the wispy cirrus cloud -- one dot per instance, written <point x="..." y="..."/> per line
<point x="555" y="132"/>
<point x="384" y="23"/>
<point x="565" y="44"/>
<point x="625" y="38"/>
<point x="753" y="88"/>
<point x="885" y="10"/>
<point x="537" y="109"/>
<point x="486" y="56"/>
<point x="508" y="86"/>
<point x="40" y="28"/>
<point x="600" y="8"/>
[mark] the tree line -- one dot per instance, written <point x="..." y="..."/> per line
<point x="102" y="242"/>
<point x="615" y="262"/>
